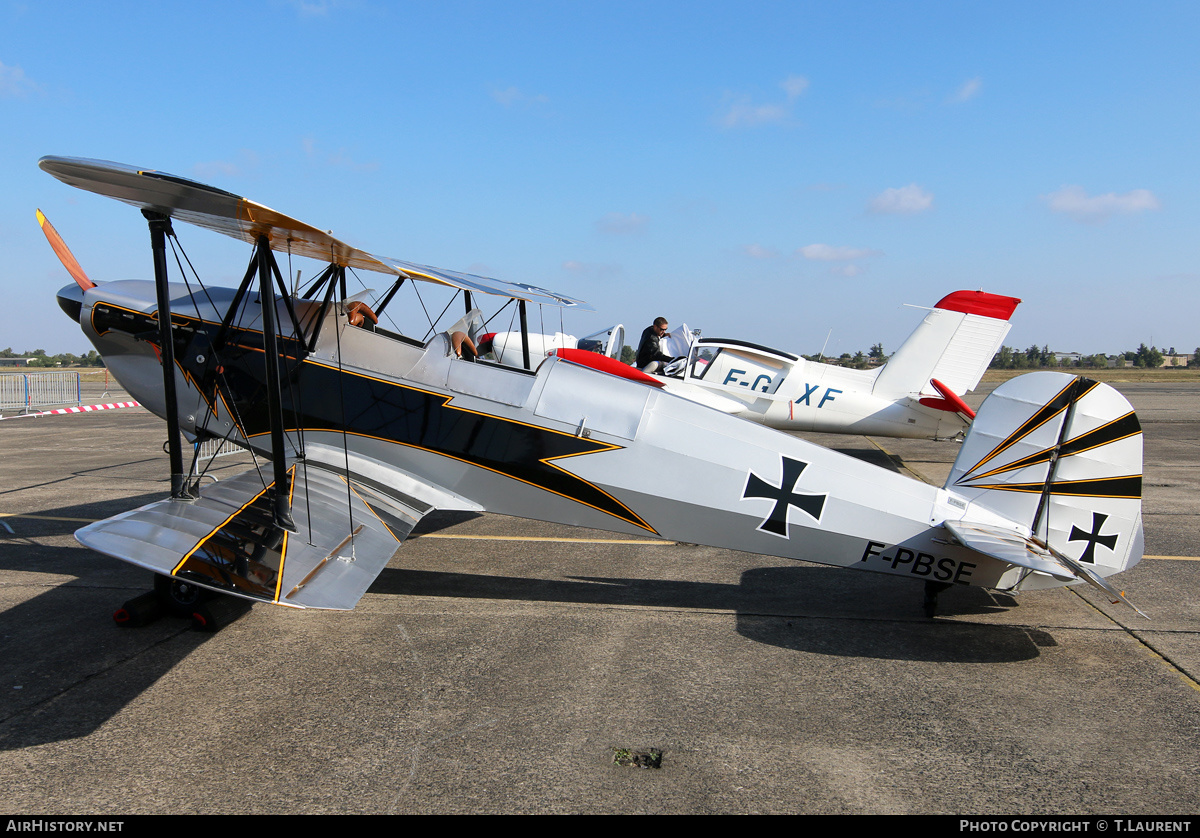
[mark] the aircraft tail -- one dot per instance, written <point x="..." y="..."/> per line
<point x="1060" y="457"/>
<point x="954" y="344"/>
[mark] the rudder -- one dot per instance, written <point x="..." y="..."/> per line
<point x="954" y="344"/>
<point x="1062" y="456"/>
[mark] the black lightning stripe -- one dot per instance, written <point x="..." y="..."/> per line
<point x="318" y="397"/>
<point x="1129" y="486"/>
<point x="1118" y="429"/>
<point x="329" y="399"/>
<point x="1078" y="388"/>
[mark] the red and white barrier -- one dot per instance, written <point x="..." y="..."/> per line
<point x="83" y="409"/>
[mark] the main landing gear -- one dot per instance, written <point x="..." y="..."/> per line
<point x="177" y="597"/>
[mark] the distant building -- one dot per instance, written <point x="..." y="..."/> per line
<point x="15" y="362"/>
<point x="1177" y="360"/>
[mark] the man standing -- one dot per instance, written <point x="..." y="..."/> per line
<point x="650" y="355"/>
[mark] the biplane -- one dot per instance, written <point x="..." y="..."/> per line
<point x="364" y="430"/>
<point x="916" y="394"/>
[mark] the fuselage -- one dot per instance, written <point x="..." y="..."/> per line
<point x="791" y="393"/>
<point x="563" y="443"/>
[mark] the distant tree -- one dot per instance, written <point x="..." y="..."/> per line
<point x="876" y="353"/>
<point x="628" y="354"/>
<point x="1148" y="357"/>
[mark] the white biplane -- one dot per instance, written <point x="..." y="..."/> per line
<point x="367" y="430"/>
<point x="917" y="394"/>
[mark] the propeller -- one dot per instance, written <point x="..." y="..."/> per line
<point x="64" y="253"/>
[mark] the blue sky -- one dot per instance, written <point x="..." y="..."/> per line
<point x="766" y="171"/>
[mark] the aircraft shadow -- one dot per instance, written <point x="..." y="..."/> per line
<point x="809" y="609"/>
<point x="64" y="520"/>
<point x="66" y="666"/>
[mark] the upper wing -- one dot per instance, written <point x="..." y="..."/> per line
<point x="227" y="541"/>
<point x="221" y="211"/>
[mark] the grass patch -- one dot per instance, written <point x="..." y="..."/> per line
<point x="1118" y="374"/>
<point x="649" y="758"/>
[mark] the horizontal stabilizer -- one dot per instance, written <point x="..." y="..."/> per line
<point x="227" y="540"/>
<point x="1011" y="547"/>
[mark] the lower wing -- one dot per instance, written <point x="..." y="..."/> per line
<point x="227" y="540"/>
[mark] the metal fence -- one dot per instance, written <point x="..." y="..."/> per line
<point x="26" y="391"/>
<point x="216" y="448"/>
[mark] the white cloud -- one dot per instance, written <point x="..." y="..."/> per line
<point x="907" y="200"/>
<point x="621" y="223"/>
<point x="793" y="86"/>
<point x="314" y="8"/>
<point x="1075" y="202"/>
<point x="338" y="159"/>
<point x="968" y="91"/>
<point x="246" y="161"/>
<point x="591" y="271"/>
<point x="510" y="96"/>
<point x="832" y="253"/>
<point x="757" y="251"/>
<point x="744" y="112"/>
<point x="14" y="82"/>
<point x="847" y="270"/>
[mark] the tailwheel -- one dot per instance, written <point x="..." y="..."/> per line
<point x="932" y="589"/>
<point x="179" y="597"/>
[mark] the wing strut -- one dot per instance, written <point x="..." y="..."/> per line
<point x="266" y="294"/>
<point x="524" y="334"/>
<point x="160" y="227"/>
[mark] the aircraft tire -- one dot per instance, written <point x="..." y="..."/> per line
<point x="179" y="598"/>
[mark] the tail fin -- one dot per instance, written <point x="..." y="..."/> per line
<point x="954" y="344"/>
<point x="1060" y="456"/>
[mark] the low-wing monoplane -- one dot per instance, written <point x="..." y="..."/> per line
<point x="366" y="430"/>
<point x="916" y="394"/>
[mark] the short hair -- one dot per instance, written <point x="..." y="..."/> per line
<point x="660" y="321"/>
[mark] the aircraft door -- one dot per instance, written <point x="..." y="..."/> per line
<point x="735" y="368"/>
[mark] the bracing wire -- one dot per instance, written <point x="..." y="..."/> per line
<point x="178" y="250"/>
<point x="433" y="324"/>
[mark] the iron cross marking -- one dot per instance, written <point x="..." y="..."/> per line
<point x="1093" y="538"/>
<point x="785" y="497"/>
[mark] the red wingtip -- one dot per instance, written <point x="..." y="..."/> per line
<point x="981" y="303"/>
<point x="64" y="253"/>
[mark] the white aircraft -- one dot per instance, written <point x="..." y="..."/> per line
<point x="366" y="430"/>
<point x="916" y="394"/>
<point x="511" y="347"/>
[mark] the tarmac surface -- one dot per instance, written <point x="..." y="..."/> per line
<point x="500" y="665"/>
